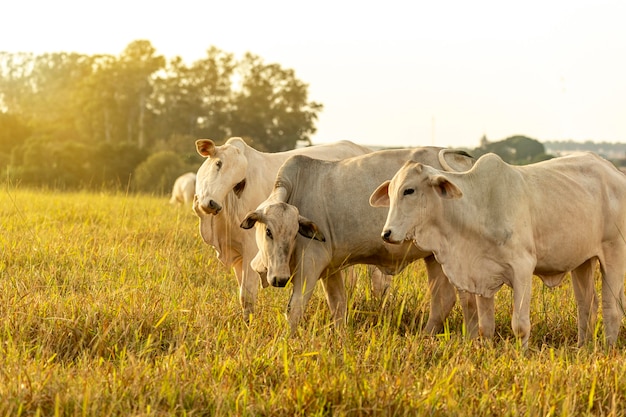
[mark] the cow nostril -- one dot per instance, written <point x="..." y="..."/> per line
<point x="214" y="207"/>
<point x="386" y="235"/>
<point x="279" y="282"/>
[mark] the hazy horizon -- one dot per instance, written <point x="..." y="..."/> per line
<point x="398" y="74"/>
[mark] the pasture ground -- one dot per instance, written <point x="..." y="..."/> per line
<point x="113" y="305"/>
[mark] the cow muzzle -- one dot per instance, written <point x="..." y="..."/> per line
<point x="212" y="208"/>
<point x="387" y="237"/>
<point x="279" y="281"/>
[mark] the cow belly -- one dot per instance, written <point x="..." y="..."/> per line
<point x="552" y="280"/>
<point x="482" y="276"/>
<point x="555" y="261"/>
<point x="387" y="265"/>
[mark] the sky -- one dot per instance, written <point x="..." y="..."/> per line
<point x="392" y="73"/>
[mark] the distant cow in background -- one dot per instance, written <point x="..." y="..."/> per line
<point x="233" y="180"/>
<point x="184" y="189"/>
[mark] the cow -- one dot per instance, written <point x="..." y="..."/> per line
<point x="317" y="221"/>
<point x="500" y="224"/>
<point x="233" y="180"/>
<point x="184" y="189"/>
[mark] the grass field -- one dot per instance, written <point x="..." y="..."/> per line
<point x="113" y="305"/>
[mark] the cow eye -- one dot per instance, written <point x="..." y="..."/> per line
<point x="408" y="191"/>
<point x="268" y="233"/>
<point x="219" y="165"/>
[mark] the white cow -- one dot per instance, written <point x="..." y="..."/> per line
<point x="498" y="224"/>
<point x="317" y="220"/>
<point x="184" y="189"/>
<point x="233" y="180"/>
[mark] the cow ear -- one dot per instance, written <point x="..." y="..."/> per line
<point x="444" y="188"/>
<point x="258" y="265"/>
<point x="205" y="147"/>
<point x="250" y="220"/>
<point x="309" y="229"/>
<point x="380" y="197"/>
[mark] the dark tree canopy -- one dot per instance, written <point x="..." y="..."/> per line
<point x="519" y="150"/>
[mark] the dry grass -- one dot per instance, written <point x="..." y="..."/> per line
<point x="112" y="305"/>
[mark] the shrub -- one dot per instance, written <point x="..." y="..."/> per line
<point x="158" y="173"/>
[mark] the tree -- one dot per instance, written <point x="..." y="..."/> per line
<point x="13" y="131"/>
<point x="195" y="100"/>
<point x="42" y="91"/>
<point x="113" y="164"/>
<point x="108" y="113"/>
<point x="14" y="71"/>
<point x="518" y="150"/>
<point x="40" y="161"/>
<point x="271" y="106"/>
<point x="158" y="173"/>
<point x="138" y="63"/>
<point x="114" y="99"/>
<point x="98" y="97"/>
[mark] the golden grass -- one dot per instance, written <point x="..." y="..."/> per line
<point x="113" y="305"/>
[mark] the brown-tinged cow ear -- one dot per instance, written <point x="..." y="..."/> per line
<point x="380" y="197"/>
<point x="205" y="147"/>
<point x="444" y="188"/>
<point x="250" y="220"/>
<point x="309" y="229"/>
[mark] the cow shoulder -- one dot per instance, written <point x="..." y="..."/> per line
<point x="295" y="169"/>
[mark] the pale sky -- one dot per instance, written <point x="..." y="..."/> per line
<point x="391" y="73"/>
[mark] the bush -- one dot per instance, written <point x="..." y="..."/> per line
<point x="114" y="163"/>
<point x="158" y="173"/>
<point x="40" y="162"/>
<point x="13" y="131"/>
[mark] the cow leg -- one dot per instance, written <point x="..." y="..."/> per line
<point x="470" y="313"/>
<point x="586" y="300"/>
<point x="520" y="322"/>
<point x="238" y="273"/>
<point x="613" y="293"/>
<point x="350" y="277"/>
<point x="381" y="282"/>
<point x="336" y="297"/>
<point x="303" y="286"/>
<point x="442" y="296"/>
<point x="248" y="288"/>
<point x="486" y="316"/>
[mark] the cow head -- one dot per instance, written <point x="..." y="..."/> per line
<point x="413" y="196"/>
<point x="277" y="226"/>
<point x="223" y="171"/>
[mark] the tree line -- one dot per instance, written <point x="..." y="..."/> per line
<point x="517" y="150"/>
<point x="522" y="150"/>
<point x="71" y="120"/>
